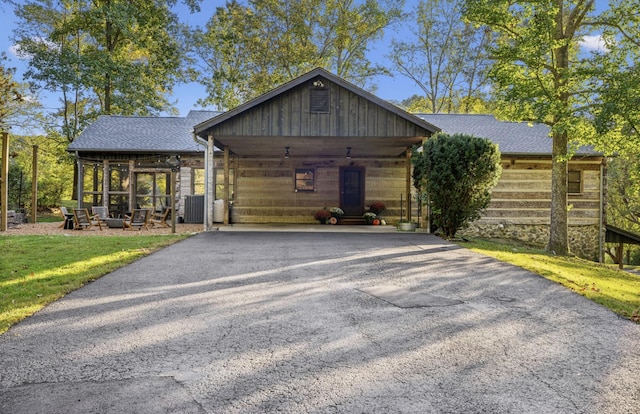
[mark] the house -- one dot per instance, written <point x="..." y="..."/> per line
<point x="319" y="141"/>
<point x="521" y="201"/>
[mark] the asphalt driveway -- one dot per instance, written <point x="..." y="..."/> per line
<point x="260" y="322"/>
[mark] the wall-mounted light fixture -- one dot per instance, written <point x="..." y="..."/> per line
<point x="318" y="84"/>
<point x="348" y="153"/>
<point x="286" y="152"/>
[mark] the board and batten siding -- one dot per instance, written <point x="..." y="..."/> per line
<point x="265" y="189"/>
<point x="288" y="115"/>
<point x="523" y="193"/>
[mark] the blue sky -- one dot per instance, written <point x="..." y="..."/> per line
<point x="390" y="88"/>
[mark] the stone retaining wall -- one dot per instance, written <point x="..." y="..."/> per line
<point x="583" y="240"/>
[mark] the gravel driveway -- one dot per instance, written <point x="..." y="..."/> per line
<point x="260" y="322"/>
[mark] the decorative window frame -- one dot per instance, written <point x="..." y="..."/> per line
<point x="304" y="180"/>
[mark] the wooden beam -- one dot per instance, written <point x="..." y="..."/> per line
<point x="4" y="184"/>
<point x="408" y="183"/>
<point x="226" y="186"/>
<point x="34" y="185"/>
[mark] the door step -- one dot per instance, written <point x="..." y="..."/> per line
<point x="352" y="221"/>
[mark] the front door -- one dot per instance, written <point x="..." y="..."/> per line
<point x="352" y="190"/>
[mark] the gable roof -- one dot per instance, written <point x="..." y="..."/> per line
<point x="307" y="77"/>
<point x="513" y="138"/>
<point x="141" y="134"/>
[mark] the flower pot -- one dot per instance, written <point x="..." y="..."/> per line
<point x="406" y="226"/>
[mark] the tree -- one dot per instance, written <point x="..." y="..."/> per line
<point x="245" y="51"/>
<point x="103" y="57"/>
<point x="541" y="75"/>
<point x="458" y="173"/>
<point x="17" y="109"/>
<point x="447" y="58"/>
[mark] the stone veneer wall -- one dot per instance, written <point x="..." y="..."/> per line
<point x="583" y="240"/>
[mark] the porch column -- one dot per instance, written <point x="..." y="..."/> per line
<point x="408" y="183"/>
<point x="226" y="185"/>
<point x="106" y="182"/>
<point x="4" y="192"/>
<point x="209" y="183"/>
<point x="80" y="181"/>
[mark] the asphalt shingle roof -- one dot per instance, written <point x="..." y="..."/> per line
<point x="515" y="138"/>
<point x="141" y="134"/>
<point x="168" y="134"/>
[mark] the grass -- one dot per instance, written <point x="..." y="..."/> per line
<point x="37" y="270"/>
<point x="604" y="284"/>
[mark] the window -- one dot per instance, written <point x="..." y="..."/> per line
<point x="92" y="184"/>
<point x="197" y="181"/>
<point x="305" y="180"/>
<point x="118" y="188"/>
<point x="574" y="182"/>
<point x="153" y="190"/>
<point x="319" y="98"/>
<point x="220" y="184"/>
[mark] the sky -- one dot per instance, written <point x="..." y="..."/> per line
<point x="394" y="88"/>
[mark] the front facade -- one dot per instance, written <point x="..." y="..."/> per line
<point x="319" y="142"/>
<point x="315" y="142"/>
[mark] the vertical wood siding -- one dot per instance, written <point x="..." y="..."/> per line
<point x="288" y="114"/>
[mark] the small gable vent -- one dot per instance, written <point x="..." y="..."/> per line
<point x="319" y="98"/>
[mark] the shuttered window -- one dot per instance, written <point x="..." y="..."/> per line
<point x="574" y="182"/>
<point x="319" y="102"/>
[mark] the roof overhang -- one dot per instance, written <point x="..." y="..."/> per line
<point x="333" y="147"/>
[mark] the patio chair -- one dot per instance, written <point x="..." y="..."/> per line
<point x="83" y="220"/>
<point x="101" y="212"/>
<point x="68" y="218"/>
<point x="139" y="218"/>
<point x="161" y="218"/>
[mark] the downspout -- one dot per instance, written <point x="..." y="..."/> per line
<point x="200" y="141"/>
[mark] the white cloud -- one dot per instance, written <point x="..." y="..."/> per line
<point x="14" y="50"/>
<point x="593" y="43"/>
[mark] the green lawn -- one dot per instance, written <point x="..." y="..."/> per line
<point x="604" y="284"/>
<point x="37" y="270"/>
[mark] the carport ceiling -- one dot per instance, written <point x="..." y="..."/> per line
<point x="325" y="147"/>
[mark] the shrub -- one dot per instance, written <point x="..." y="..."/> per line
<point x="458" y="172"/>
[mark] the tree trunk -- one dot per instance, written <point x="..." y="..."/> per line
<point x="558" y="232"/>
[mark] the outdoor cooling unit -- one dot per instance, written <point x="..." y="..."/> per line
<point x="194" y="209"/>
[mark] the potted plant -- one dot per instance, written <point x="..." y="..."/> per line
<point x="406" y="225"/>
<point x="322" y="216"/>
<point x="369" y="217"/>
<point x="336" y="212"/>
<point x="377" y="207"/>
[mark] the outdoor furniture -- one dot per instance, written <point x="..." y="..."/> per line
<point x="83" y="220"/>
<point x="116" y="223"/>
<point x="160" y="217"/>
<point x="68" y="218"/>
<point x="139" y="218"/>
<point x="101" y="212"/>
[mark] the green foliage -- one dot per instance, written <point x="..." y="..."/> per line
<point x="623" y="196"/>
<point x="540" y="74"/>
<point x="37" y="270"/>
<point x="445" y="56"/>
<point x="104" y="57"/>
<point x="245" y="51"/>
<point x="55" y="171"/>
<point x="458" y="173"/>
